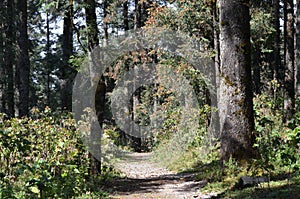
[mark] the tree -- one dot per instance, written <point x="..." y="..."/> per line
<point x="125" y="16"/>
<point x="66" y="71"/>
<point x="276" y="43"/>
<point x="23" y="68"/>
<point x="235" y="102"/>
<point x="137" y="14"/>
<point x="93" y="41"/>
<point x="297" y="60"/>
<point x="9" y="57"/>
<point x="289" y="58"/>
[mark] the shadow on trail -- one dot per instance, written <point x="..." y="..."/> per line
<point x="181" y="182"/>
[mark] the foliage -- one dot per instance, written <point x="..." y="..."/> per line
<point x="277" y="143"/>
<point x="42" y="157"/>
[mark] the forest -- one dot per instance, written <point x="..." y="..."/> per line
<point x="149" y="99"/>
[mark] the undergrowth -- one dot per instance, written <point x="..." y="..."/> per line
<point x="42" y="156"/>
<point x="278" y="146"/>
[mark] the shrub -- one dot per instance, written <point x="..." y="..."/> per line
<point x="42" y="157"/>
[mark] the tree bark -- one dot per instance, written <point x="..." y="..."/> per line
<point x="289" y="90"/>
<point x="105" y="25"/>
<point x="91" y="23"/>
<point x="125" y="16"/>
<point x="235" y="102"/>
<point x="67" y="73"/>
<point x="93" y="41"/>
<point x="138" y="14"/>
<point x="48" y="62"/>
<point x="215" y="122"/>
<point x="278" y="71"/>
<point x="9" y="60"/>
<point x="297" y="61"/>
<point x="23" y="59"/>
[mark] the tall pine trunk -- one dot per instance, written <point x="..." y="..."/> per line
<point x="66" y="71"/>
<point x="289" y="91"/>
<point x="278" y="71"/>
<point x="125" y="16"/>
<point x="235" y="102"/>
<point x="23" y="59"/>
<point x="2" y="64"/>
<point x="9" y="60"/>
<point x="137" y="14"/>
<point x="297" y="60"/>
<point x="93" y="41"/>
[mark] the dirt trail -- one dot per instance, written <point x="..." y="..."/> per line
<point x="146" y="179"/>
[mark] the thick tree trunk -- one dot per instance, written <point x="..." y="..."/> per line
<point x="289" y="91"/>
<point x="297" y="61"/>
<point x="235" y="102"/>
<point x="66" y="71"/>
<point x="23" y="59"/>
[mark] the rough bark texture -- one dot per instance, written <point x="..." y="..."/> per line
<point x="215" y="122"/>
<point x="235" y="102"/>
<point x="2" y="65"/>
<point x="91" y="23"/>
<point x="93" y="41"/>
<point x="23" y="59"/>
<point x="278" y="71"/>
<point x="297" y="62"/>
<point x="66" y="71"/>
<point x="289" y="90"/>
<point x="9" y="60"/>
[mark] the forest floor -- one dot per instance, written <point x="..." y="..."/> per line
<point x="145" y="179"/>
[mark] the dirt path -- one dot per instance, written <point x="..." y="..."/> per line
<point x="146" y="179"/>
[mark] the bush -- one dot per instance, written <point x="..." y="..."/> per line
<point x="42" y="157"/>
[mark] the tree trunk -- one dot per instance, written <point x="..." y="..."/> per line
<point x="105" y="26"/>
<point x="256" y="69"/>
<point x="23" y="59"/>
<point x="138" y="14"/>
<point x="278" y="71"/>
<point x="289" y="91"/>
<point x="91" y="23"/>
<point x="297" y="61"/>
<point x="2" y="60"/>
<point x="9" y="60"/>
<point x="66" y="71"/>
<point x="235" y="102"/>
<point x="93" y="41"/>
<point x="48" y="62"/>
<point x="125" y="16"/>
<point x="215" y="122"/>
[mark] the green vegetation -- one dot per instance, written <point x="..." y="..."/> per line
<point x="278" y="161"/>
<point x="43" y="157"/>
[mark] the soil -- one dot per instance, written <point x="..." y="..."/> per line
<point x="145" y="179"/>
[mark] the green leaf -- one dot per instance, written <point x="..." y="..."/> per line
<point x="34" y="190"/>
